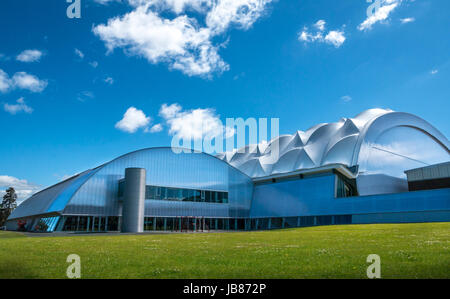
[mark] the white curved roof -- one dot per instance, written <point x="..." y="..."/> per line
<point x="323" y="144"/>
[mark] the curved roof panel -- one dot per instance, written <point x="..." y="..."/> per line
<point x="323" y="144"/>
<point x="51" y="199"/>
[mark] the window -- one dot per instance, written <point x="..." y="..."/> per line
<point x="202" y="192"/>
<point x="178" y="194"/>
<point x="172" y="194"/>
<point x="344" y="188"/>
<point x="163" y="192"/>
<point x="208" y="196"/>
<point x="225" y="197"/>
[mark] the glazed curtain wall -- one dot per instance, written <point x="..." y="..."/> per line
<point x="99" y="195"/>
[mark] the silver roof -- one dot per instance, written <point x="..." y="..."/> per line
<point x="324" y="144"/>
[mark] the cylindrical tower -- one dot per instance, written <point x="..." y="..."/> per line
<point x="133" y="201"/>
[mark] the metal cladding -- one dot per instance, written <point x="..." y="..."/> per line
<point x="346" y="142"/>
<point x="95" y="191"/>
<point x="51" y="199"/>
<point x="133" y="201"/>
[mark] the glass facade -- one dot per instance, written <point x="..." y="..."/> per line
<point x="46" y="224"/>
<point x="180" y="194"/>
<point x="392" y="147"/>
<point x="90" y="223"/>
<point x="344" y="188"/>
<point x="183" y="184"/>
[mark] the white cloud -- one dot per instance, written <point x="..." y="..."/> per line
<point x="346" y="98"/>
<point x="30" y="82"/>
<point x="171" y="111"/>
<point x="21" y="80"/>
<point x="320" y="25"/>
<point x="79" y="53"/>
<point x="193" y="124"/>
<point x="23" y="188"/>
<point x="109" y="80"/>
<point x="105" y="2"/>
<point x="94" y="64"/>
<point x="156" y="128"/>
<point x="29" y="56"/>
<point x="434" y="72"/>
<point x="20" y="106"/>
<point x="176" y="6"/>
<point x="379" y="15"/>
<point x="85" y="95"/>
<point x="407" y="20"/>
<point x="181" y="41"/>
<point x="132" y="120"/>
<point x="242" y="13"/>
<point x="5" y="82"/>
<point x="333" y="37"/>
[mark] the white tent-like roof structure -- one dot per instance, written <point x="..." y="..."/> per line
<point x="348" y="142"/>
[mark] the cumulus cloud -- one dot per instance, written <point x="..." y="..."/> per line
<point x="380" y="14"/>
<point x="176" y="6"/>
<point x="333" y="37"/>
<point x="21" y="80"/>
<point x="320" y="25"/>
<point x="181" y="42"/>
<point x="155" y="128"/>
<point x="30" y="82"/>
<point x="193" y="124"/>
<point x="23" y="188"/>
<point x="169" y="111"/>
<point x="407" y="20"/>
<point x="132" y="120"/>
<point x="434" y="72"/>
<point x="29" y="56"/>
<point x="242" y="13"/>
<point x="20" y="106"/>
<point x="5" y="83"/>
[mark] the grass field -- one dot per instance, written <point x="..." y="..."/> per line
<point x="406" y="251"/>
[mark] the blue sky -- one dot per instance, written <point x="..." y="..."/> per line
<point x="65" y="84"/>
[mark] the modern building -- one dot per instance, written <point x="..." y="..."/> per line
<point x="350" y="171"/>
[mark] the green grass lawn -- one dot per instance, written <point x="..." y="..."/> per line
<point x="406" y="251"/>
